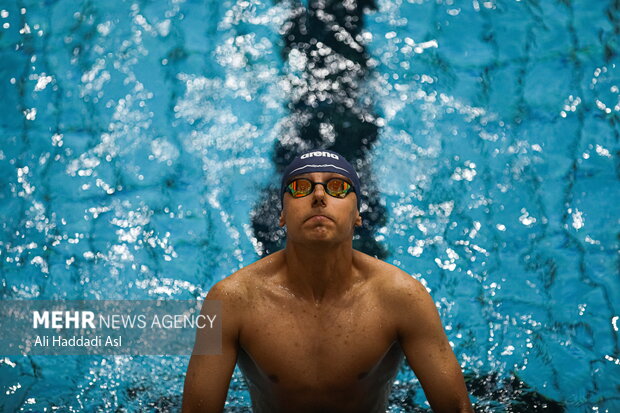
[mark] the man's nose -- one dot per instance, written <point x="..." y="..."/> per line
<point x="319" y="193"/>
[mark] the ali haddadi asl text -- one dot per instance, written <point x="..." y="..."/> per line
<point x="78" y="341"/>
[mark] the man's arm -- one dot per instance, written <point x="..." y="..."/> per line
<point x="427" y="349"/>
<point x="208" y="376"/>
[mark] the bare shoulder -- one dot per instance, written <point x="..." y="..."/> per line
<point x="240" y="286"/>
<point x="394" y="286"/>
<point x="231" y="288"/>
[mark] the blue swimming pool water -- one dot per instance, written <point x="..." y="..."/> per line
<point x="124" y="124"/>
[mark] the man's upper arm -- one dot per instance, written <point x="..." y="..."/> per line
<point x="208" y="376"/>
<point x="427" y="349"/>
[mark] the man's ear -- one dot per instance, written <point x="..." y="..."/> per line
<point x="282" y="223"/>
<point x="358" y="220"/>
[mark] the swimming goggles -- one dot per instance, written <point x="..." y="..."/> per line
<point x="336" y="187"/>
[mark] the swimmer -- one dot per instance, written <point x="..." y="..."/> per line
<point x="319" y="327"/>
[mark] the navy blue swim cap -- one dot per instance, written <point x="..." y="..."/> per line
<point x="320" y="161"/>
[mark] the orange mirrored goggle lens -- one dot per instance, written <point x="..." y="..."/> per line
<point x="336" y="187"/>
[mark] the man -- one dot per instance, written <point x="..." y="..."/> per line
<point x="320" y="327"/>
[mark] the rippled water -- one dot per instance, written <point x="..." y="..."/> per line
<point x="494" y="177"/>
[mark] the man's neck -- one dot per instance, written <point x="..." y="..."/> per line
<point x="318" y="272"/>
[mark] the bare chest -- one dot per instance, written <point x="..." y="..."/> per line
<point x="296" y="346"/>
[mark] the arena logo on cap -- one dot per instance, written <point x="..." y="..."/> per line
<point x="319" y="153"/>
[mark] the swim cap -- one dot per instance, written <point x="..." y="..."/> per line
<point x="320" y="161"/>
